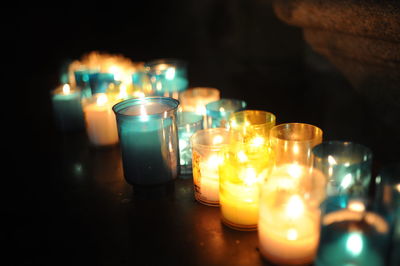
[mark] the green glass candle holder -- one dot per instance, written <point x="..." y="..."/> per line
<point x="148" y="135"/>
<point x="218" y="112"/>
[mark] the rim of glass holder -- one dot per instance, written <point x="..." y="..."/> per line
<point x="322" y="151"/>
<point x="271" y="118"/>
<point x="276" y="131"/>
<point x="214" y="107"/>
<point x="194" y="118"/>
<point x="210" y="131"/>
<point x="173" y="103"/>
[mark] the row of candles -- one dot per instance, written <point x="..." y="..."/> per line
<point x="308" y="199"/>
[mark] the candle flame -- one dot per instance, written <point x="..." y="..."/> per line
<point x="294" y="170"/>
<point x="102" y="99"/>
<point x="201" y="110"/>
<point x="242" y="156"/>
<point x="356" y="206"/>
<point x="123" y="92"/>
<point x="331" y="160"/>
<point x="143" y="114"/>
<point x="257" y="141"/>
<point x="250" y="176"/>
<point x="295" y="149"/>
<point x="292" y="234"/>
<point x="66" y="89"/>
<point x="354" y="243"/>
<point x="218" y="139"/>
<point x="295" y="207"/>
<point x="222" y="109"/>
<point x="214" y="161"/>
<point x="170" y="73"/>
<point x="398" y="187"/>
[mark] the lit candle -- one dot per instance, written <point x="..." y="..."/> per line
<point x="218" y="112"/>
<point x="196" y="99"/>
<point x="100" y="120"/>
<point x="67" y="108"/>
<point x="244" y="169"/>
<point x="148" y="136"/>
<point x="207" y="147"/>
<point x="288" y="226"/>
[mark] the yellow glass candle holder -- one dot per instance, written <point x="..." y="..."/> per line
<point x="196" y="99"/>
<point x="288" y="226"/>
<point x="207" y="149"/>
<point x="242" y="173"/>
<point x="251" y="126"/>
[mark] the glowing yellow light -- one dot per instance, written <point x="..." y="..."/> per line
<point x="170" y="73"/>
<point x="250" y="176"/>
<point x="354" y="243"/>
<point x="291" y="234"/>
<point x="143" y="114"/>
<point x="242" y="156"/>
<point x="214" y="161"/>
<point x="101" y="99"/>
<point x="201" y="110"/>
<point x="138" y="94"/>
<point x="294" y="170"/>
<point x="398" y="187"/>
<point x="295" y="149"/>
<point x="331" y="160"/>
<point x="295" y="207"/>
<point x="222" y="109"/>
<point x="122" y="92"/>
<point x="116" y="71"/>
<point x="356" y="206"/>
<point x="218" y="140"/>
<point x="258" y="141"/>
<point x="66" y="89"/>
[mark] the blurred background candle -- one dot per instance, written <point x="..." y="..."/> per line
<point x="188" y="124"/>
<point x="168" y="77"/>
<point x="288" y="227"/>
<point x="101" y="126"/>
<point x="99" y="82"/>
<point x="218" y="112"/>
<point x="387" y="200"/>
<point x="81" y="77"/>
<point x="148" y="134"/>
<point x="196" y="99"/>
<point x="246" y="164"/>
<point x="207" y="148"/>
<point x="67" y="109"/>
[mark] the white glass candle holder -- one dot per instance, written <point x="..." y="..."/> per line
<point x="208" y="146"/>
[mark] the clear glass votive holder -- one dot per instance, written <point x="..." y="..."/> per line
<point x="207" y="148"/>
<point x="148" y="135"/>
<point x="67" y="109"/>
<point x="346" y="165"/>
<point x="188" y="124"/>
<point x="101" y="126"/>
<point x="195" y="99"/>
<point x="100" y="81"/>
<point x="168" y="77"/>
<point x="218" y="112"/>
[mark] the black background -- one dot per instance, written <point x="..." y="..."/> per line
<point x="239" y="47"/>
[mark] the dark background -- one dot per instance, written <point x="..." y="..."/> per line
<point x="239" y="47"/>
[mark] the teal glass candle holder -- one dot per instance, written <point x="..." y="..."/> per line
<point x="352" y="233"/>
<point x="67" y="109"/>
<point x="148" y="136"/>
<point x="100" y="81"/>
<point x="82" y="82"/>
<point x="388" y="199"/>
<point x="346" y="166"/>
<point x="168" y="77"/>
<point x="188" y="124"/>
<point x="218" y="112"/>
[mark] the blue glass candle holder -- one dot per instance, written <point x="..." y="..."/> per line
<point x="352" y="233"/>
<point x="67" y="108"/>
<point x="218" y="112"/>
<point x="346" y="166"/>
<point x="388" y="200"/>
<point x="188" y="124"/>
<point x="82" y="82"/>
<point x="100" y="81"/>
<point x="148" y="135"/>
<point x="168" y="77"/>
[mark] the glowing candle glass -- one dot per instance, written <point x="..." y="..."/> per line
<point x="346" y="165"/>
<point x="288" y="226"/>
<point x="207" y="148"/>
<point x="101" y="126"/>
<point x="99" y="81"/>
<point x="148" y="136"/>
<point x="388" y="199"/>
<point x="195" y="99"/>
<point x="82" y="81"/>
<point x="188" y="124"/>
<point x="168" y="77"/>
<point x="67" y="109"/>
<point x="218" y="112"/>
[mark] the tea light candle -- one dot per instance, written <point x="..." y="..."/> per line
<point x="288" y="229"/>
<point x="148" y="136"/>
<point x="100" y="120"/>
<point x="207" y="147"/>
<point x="67" y="108"/>
<point x="196" y="99"/>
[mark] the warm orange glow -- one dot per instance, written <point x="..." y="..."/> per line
<point x="66" y="89"/>
<point x="356" y="206"/>
<point x="102" y="99"/>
